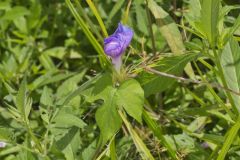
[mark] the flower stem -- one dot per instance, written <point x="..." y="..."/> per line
<point x="117" y="62"/>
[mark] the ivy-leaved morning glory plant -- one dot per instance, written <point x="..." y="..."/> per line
<point x="116" y="44"/>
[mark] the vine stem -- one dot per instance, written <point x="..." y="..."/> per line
<point x="186" y="80"/>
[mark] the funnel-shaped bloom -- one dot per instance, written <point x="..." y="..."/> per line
<point x="116" y="44"/>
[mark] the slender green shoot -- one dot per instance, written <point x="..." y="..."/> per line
<point x="98" y="17"/>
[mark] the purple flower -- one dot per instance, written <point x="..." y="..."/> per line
<point x="116" y="44"/>
<point x="2" y="144"/>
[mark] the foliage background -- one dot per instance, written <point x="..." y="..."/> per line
<point x="54" y="77"/>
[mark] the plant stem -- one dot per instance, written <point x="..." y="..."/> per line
<point x="150" y="29"/>
<point x="185" y="80"/>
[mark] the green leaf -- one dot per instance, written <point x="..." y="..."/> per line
<point x="21" y="24"/>
<point x="209" y="19"/>
<point x="130" y="96"/>
<point x="9" y="88"/>
<point x="5" y="5"/>
<point x="182" y="142"/>
<point x="57" y="78"/>
<point x="69" y="143"/>
<point x="81" y="89"/>
<point x="46" y="97"/>
<point x="230" y="62"/>
<point x="58" y="52"/>
<point x="229" y="140"/>
<point x="107" y="116"/>
<point x="65" y="119"/>
<point x="44" y="114"/>
<point x="28" y="107"/>
<point x="141" y="18"/>
<point x="172" y="65"/>
<point x="68" y="152"/>
<point x="207" y="24"/>
<point x="228" y="32"/>
<point x="204" y="18"/>
<point x="35" y="16"/>
<point x="46" y="100"/>
<point x="46" y="61"/>
<point x="168" y="28"/>
<point x="102" y="87"/>
<point x="5" y="134"/>
<point x="170" y="32"/>
<point x="99" y="90"/>
<point x="15" y="13"/>
<point x="194" y="13"/>
<point x="70" y="84"/>
<point x="21" y="98"/>
<point x="196" y="125"/>
<point x="50" y="77"/>
<point x="38" y="81"/>
<point x="88" y="152"/>
<point x="223" y="12"/>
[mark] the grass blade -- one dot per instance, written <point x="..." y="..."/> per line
<point x="229" y="140"/>
<point x="167" y="28"/>
<point x="141" y="147"/>
<point x="103" y="58"/>
<point x="126" y="13"/>
<point x="112" y="149"/>
<point x="98" y="17"/>
<point x="88" y="20"/>
<point x="170" y="32"/>
<point x="115" y="10"/>
<point x="158" y="133"/>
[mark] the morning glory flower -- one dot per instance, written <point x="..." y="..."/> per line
<point x="116" y="44"/>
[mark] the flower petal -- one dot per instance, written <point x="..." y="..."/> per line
<point x="125" y="34"/>
<point x="112" y="46"/>
<point x="116" y="44"/>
